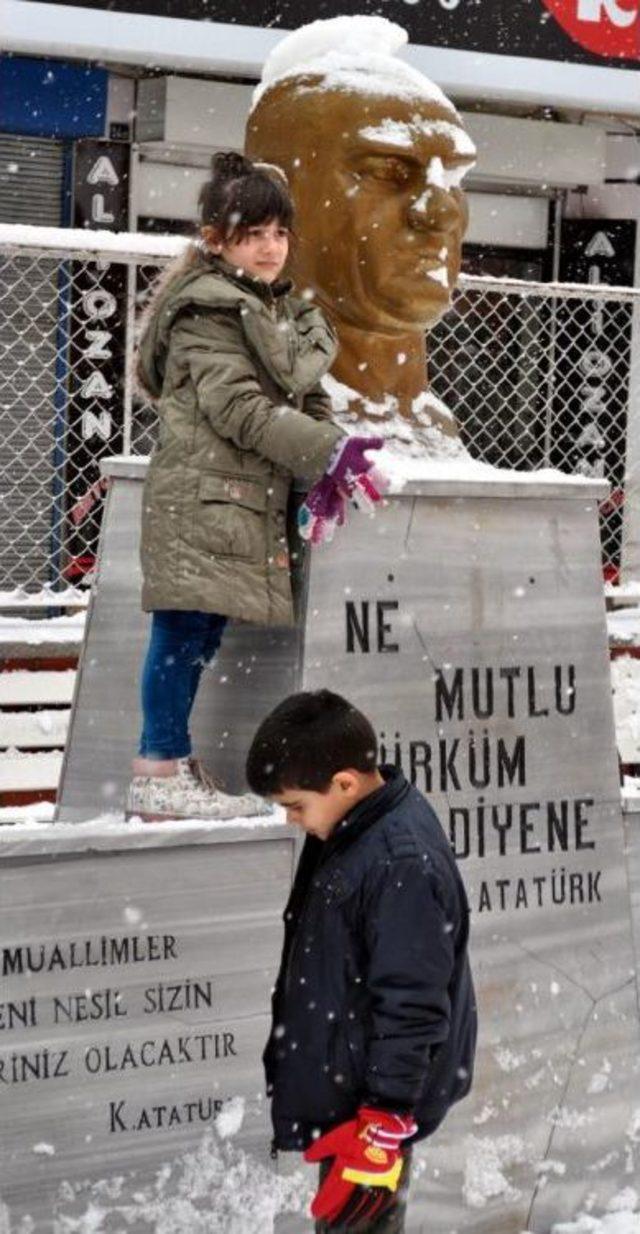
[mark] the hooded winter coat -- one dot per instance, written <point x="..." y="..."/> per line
<point x="235" y="365"/>
<point x="374" y="1001"/>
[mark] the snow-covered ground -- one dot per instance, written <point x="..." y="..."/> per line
<point x="219" y="1188"/>
<point x="624" y="626"/>
<point x="621" y="1217"/>
<point x="628" y="590"/>
<point x="625" y="680"/>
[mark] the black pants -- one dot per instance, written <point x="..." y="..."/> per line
<point x="392" y="1220"/>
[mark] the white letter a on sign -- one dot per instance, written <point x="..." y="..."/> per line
<point x="600" y="246"/>
<point x="103" y="172"/>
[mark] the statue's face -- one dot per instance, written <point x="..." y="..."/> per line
<point x="379" y="212"/>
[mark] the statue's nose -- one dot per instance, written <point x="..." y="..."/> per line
<point x="434" y="210"/>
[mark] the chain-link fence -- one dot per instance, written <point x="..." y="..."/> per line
<point x="548" y="375"/>
<point x="538" y="375"/>
<point x="67" y="324"/>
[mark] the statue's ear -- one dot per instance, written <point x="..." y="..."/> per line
<point x="463" y="203"/>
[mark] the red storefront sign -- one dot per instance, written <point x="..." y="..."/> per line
<point x="609" y="28"/>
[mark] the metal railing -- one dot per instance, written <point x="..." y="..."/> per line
<point x="538" y="375"/>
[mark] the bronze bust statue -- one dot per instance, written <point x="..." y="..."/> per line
<point x="374" y="154"/>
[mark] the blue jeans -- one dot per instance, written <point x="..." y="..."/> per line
<point x="181" y="644"/>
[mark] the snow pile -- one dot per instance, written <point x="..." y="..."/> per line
<point x="631" y="794"/>
<point x="622" y="1216"/>
<point x="231" y="1118"/>
<point x="418" y="450"/>
<point x="415" y="438"/>
<point x="624" y="626"/>
<point x="402" y="133"/>
<point x="630" y="589"/>
<point x="485" y="1163"/>
<point x="217" y="1188"/>
<point x="357" y="54"/>
<point x="392" y="132"/>
<point x="625" y="680"/>
<point x="441" y="177"/>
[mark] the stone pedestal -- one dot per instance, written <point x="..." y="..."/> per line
<point x="469" y="622"/>
<point x="467" y="619"/>
<point x="137" y="964"/>
<point x="254" y="668"/>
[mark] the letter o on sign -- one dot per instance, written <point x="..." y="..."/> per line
<point x="99" y="303"/>
<point x="595" y="364"/>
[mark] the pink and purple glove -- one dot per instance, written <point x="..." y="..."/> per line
<point x="350" y="476"/>
<point x="323" y="509"/>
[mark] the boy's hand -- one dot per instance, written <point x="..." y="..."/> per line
<point x="367" y="1153"/>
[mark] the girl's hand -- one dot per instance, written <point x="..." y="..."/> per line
<point x="322" y="510"/>
<point x="350" y="476"/>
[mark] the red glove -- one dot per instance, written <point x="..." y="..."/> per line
<point x="367" y="1152"/>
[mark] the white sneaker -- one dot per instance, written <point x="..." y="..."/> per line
<point x="190" y="793"/>
<point x="245" y="805"/>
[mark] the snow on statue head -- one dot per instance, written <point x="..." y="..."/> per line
<point x="375" y="154"/>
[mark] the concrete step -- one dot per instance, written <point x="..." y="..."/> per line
<point x="22" y="773"/>
<point x="24" y="688"/>
<point x="34" y="730"/>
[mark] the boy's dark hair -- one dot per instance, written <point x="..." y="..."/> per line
<point x="241" y="194"/>
<point x="305" y="740"/>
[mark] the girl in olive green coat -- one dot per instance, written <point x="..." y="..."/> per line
<point x="234" y="362"/>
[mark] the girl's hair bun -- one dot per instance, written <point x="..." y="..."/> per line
<point x="229" y="165"/>
<point x="241" y="194"/>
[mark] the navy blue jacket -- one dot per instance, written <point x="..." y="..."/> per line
<point x="374" y="1002"/>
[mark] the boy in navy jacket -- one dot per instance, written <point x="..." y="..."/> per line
<point x="374" y="1018"/>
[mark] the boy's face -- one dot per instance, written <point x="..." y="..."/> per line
<point x="319" y="813"/>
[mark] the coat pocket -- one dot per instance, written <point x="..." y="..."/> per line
<point x="346" y="1064"/>
<point x="230" y="517"/>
